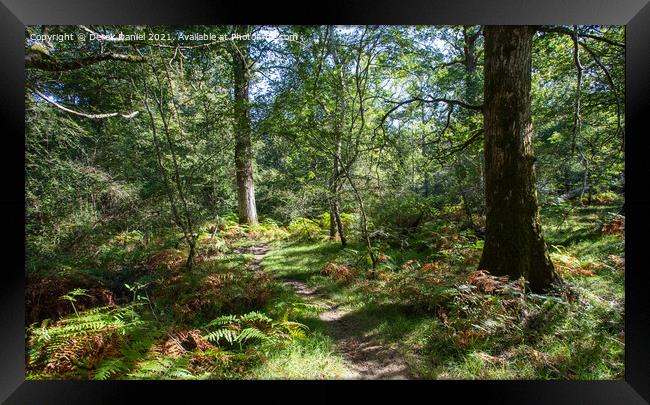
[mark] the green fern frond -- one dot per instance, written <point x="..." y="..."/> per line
<point x="222" y="320"/>
<point x="251" y="333"/>
<point x="255" y="317"/>
<point x="219" y="334"/>
<point x="110" y="368"/>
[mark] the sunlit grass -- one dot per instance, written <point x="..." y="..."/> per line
<point x="312" y="358"/>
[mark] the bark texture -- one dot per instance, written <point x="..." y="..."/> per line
<point x="243" y="145"/>
<point x="514" y="245"/>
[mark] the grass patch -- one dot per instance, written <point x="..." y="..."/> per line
<point x="312" y="358"/>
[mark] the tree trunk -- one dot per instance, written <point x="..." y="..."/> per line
<point x="472" y="89"/>
<point x="333" y="229"/>
<point x="514" y="245"/>
<point x="471" y="93"/>
<point x="339" y="224"/>
<point x="243" y="146"/>
<point x="336" y="226"/>
<point x="190" y="255"/>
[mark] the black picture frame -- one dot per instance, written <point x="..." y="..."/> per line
<point x="634" y="14"/>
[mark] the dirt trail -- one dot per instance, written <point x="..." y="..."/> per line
<point x="367" y="359"/>
<point x="258" y="252"/>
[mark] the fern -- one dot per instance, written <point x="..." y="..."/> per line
<point x="253" y="326"/>
<point x="295" y="329"/>
<point x="80" y="340"/>
<point x="251" y="333"/>
<point x="255" y="316"/>
<point x="162" y="368"/>
<point x="223" y="320"/>
<point x="219" y="334"/>
<point x="110" y="368"/>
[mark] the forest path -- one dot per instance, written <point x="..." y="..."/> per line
<point x="258" y="252"/>
<point x="366" y="358"/>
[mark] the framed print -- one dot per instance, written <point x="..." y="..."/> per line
<point x="261" y="201"/>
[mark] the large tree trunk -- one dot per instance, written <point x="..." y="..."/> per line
<point x="514" y="245"/>
<point x="243" y="147"/>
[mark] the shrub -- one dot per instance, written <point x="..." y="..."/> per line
<point x="342" y="273"/>
<point x="605" y="198"/>
<point x="403" y="211"/>
<point x="305" y="228"/>
<point x="267" y="229"/>
<point x="128" y="238"/>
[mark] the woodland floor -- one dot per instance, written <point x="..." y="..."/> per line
<point x="365" y="357"/>
<point x="263" y="303"/>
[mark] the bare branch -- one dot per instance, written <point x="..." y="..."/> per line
<point x="81" y="114"/>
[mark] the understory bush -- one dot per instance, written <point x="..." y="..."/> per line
<point x="305" y="228"/>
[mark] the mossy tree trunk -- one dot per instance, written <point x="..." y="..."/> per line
<point x="514" y="244"/>
<point x="243" y="146"/>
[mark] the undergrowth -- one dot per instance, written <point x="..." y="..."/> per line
<point x="227" y="320"/>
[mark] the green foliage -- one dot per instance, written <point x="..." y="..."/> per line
<point x="71" y="297"/>
<point x="80" y="342"/>
<point x="267" y="229"/>
<point x="214" y="288"/>
<point x="110" y="368"/>
<point x="305" y="228"/>
<point x="129" y="237"/>
<point x="113" y="206"/>
<point x="249" y="328"/>
<point x="162" y="368"/>
<point x="403" y="213"/>
<point x="419" y="289"/>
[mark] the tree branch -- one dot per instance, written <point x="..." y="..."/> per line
<point x="36" y="59"/>
<point x="596" y="60"/>
<point x="470" y="141"/>
<point x="566" y="31"/>
<point x="81" y="114"/>
<point x="429" y="100"/>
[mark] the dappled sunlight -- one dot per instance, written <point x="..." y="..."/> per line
<point x="337" y="202"/>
